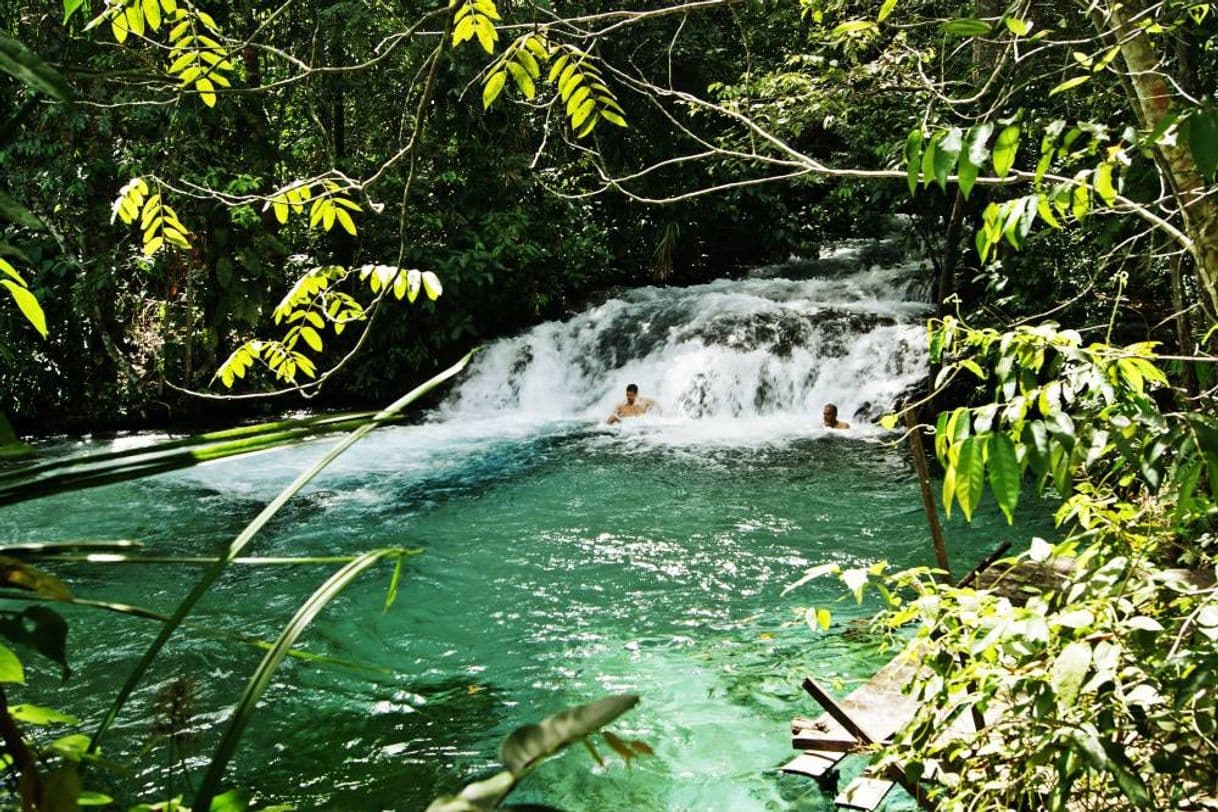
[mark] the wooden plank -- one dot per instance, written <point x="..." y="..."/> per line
<point x="876" y="709"/>
<point x="813" y="764"/>
<point x="864" y="792"/>
<point x="843" y="743"/>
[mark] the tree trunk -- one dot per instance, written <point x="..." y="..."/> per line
<point x="1154" y="100"/>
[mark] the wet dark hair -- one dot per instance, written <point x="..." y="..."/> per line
<point x="632" y="387"/>
<point x="831" y="406"/>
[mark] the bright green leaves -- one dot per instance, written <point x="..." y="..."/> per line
<point x="328" y="206"/>
<point x="937" y="156"/>
<point x="314" y="304"/>
<point x="522" y="60"/>
<point x="158" y="222"/>
<point x="11" y="670"/>
<point x="966" y="27"/>
<point x="583" y="91"/>
<point x="26" y="302"/>
<point x="197" y="59"/>
<point x="475" y="18"/>
<point x="585" y="97"/>
<point x="1068" y="672"/>
<point x="947" y="152"/>
<point x="974" y="155"/>
<point x="1005" y="147"/>
<point x="1059" y="407"/>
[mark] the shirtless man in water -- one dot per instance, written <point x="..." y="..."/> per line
<point x="830" y="416"/>
<point x="632" y="406"/>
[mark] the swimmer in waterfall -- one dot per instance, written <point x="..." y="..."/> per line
<point x="831" y="421"/>
<point x="632" y="406"/>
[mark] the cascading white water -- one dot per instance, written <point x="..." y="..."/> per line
<point x="757" y="351"/>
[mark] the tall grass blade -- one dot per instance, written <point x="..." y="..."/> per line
<point x="261" y="678"/>
<point x="91" y="471"/>
<point x="245" y="536"/>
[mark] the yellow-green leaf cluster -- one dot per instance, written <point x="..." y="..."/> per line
<point x="27" y="303"/>
<point x="134" y="17"/>
<point x="197" y="59"/>
<point x="159" y="223"/>
<point x="329" y="205"/>
<point x="584" y="92"/>
<point x="475" y="18"/>
<point x="403" y="282"/>
<point x="311" y="306"/>
<point x="522" y="60"/>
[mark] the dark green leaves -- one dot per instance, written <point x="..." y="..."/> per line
<point x="40" y="629"/>
<point x="26" y="66"/>
<point x="1202" y="138"/>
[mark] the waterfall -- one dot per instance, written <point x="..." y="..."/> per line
<point x="774" y="347"/>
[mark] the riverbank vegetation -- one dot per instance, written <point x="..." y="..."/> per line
<point x="203" y="204"/>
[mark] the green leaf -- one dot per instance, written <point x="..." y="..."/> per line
<point x="1069" y="669"/>
<point x="946" y="153"/>
<point x="16" y="213"/>
<point x="1004" y="474"/>
<point x="90" y="798"/>
<point x="73" y="747"/>
<point x="966" y="27"/>
<point x="928" y="158"/>
<point x="527" y="746"/>
<point x="1127" y="778"/>
<point x="70" y="7"/>
<point x="27" y="67"/>
<point x="1202" y="138"/>
<point x="344" y="220"/>
<point x="522" y="79"/>
<point x="10" y="666"/>
<point x="1004" y="150"/>
<point x="494" y="86"/>
<point x="431" y="285"/>
<point x="970" y="475"/>
<point x="38" y="715"/>
<point x="1074" y="81"/>
<point x="311" y="338"/>
<point x="1018" y="27"/>
<point x="913" y="152"/>
<point x="885" y="9"/>
<point x="974" y="155"/>
<point x="235" y="800"/>
<point x="28" y="305"/>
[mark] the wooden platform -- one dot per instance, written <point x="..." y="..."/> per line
<point x="871" y="714"/>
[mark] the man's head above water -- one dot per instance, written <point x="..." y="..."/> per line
<point x="632" y="392"/>
<point x="829" y="413"/>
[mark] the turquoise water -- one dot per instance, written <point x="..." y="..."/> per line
<point x="558" y="563"/>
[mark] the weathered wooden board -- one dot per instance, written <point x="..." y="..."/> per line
<point x="864" y="792"/>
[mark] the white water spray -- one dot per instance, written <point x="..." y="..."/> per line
<point x="757" y="355"/>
